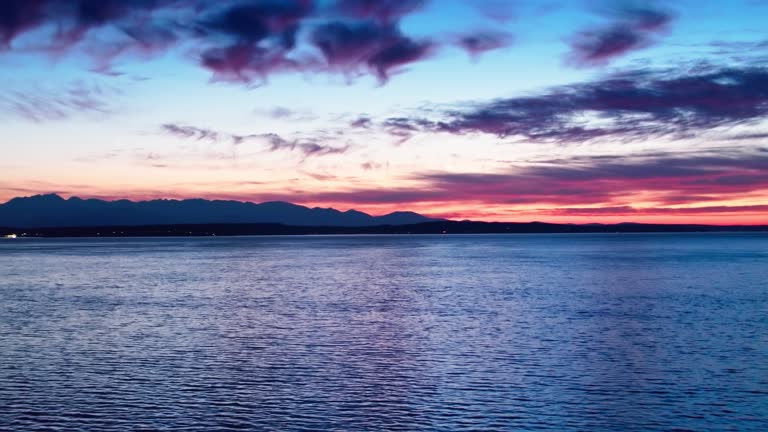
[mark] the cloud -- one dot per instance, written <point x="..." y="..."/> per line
<point x="74" y="21"/>
<point x="241" y="41"/>
<point x="251" y="40"/>
<point x="498" y="10"/>
<point x="666" y="179"/>
<point x="625" y="106"/>
<point x="280" y="112"/>
<point x="370" y="166"/>
<point x="634" y="26"/>
<point x="185" y="131"/>
<point x="308" y="148"/>
<point x="256" y="21"/>
<point x="289" y="114"/>
<point x="748" y="136"/>
<point x="383" y="11"/>
<point x="40" y="104"/>
<point x="18" y="16"/>
<point x="481" y="42"/>
<point x="246" y="63"/>
<point x="629" y="210"/>
<point x="379" y="49"/>
<point x="362" y="122"/>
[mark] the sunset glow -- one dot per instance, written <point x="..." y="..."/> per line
<point x="572" y="112"/>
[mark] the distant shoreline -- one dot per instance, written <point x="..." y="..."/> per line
<point x="443" y="227"/>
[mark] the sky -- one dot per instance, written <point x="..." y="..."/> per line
<point x="503" y="110"/>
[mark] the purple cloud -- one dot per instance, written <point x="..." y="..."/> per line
<point x="634" y="27"/>
<point x="370" y="165"/>
<point x="18" y="16"/>
<point x="498" y="10"/>
<point x="671" y="179"/>
<point x="383" y="11"/>
<point x="257" y="21"/>
<point x="186" y="131"/>
<point x="243" y="41"/>
<point x="287" y="114"/>
<point x="39" y="105"/>
<point x="630" y="105"/>
<point x="75" y="19"/>
<point x="308" y="148"/>
<point x="246" y="63"/>
<point x="481" y="42"/>
<point x="377" y="48"/>
<point x="629" y="210"/>
<point x="248" y="41"/>
<point x="362" y="122"/>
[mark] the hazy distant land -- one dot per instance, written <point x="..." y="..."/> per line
<point x="440" y="227"/>
<point x="54" y="216"/>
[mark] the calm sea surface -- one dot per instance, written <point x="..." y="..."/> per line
<point x="368" y="333"/>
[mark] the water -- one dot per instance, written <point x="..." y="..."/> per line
<point x="520" y="332"/>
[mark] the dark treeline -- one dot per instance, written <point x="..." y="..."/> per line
<point x="448" y="227"/>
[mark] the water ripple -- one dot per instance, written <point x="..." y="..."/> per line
<point x="400" y="333"/>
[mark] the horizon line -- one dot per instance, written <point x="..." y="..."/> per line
<point x="437" y="218"/>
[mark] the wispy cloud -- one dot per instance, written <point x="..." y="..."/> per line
<point x="186" y="131"/>
<point x="477" y="43"/>
<point x="501" y="11"/>
<point x="307" y="148"/>
<point x="669" y="180"/>
<point x="635" y="211"/>
<point x="275" y="142"/>
<point x="362" y="122"/>
<point x="288" y="114"/>
<point x="624" y="106"/>
<point x="634" y="25"/>
<point x="45" y="104"/>
<point x="383" y="11"/>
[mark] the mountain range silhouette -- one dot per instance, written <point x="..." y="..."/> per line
<point x="52" y="210"/>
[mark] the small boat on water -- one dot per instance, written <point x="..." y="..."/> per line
<point x="10" y="236"/>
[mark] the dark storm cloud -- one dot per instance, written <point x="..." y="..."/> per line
<point x="623" y="106"/>
<point x="633" y="26"/>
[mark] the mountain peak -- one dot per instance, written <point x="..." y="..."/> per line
<point x="40" y="198"/>
<point x="52" y="197"/>
<point x="51" y="210"/>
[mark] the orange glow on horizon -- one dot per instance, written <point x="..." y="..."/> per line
<point x="486" y="212"/>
